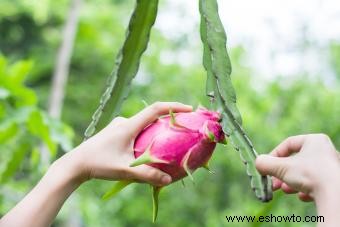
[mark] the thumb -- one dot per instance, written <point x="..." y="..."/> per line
<point x="150" y="175"/>
<point x="273" y="166"/>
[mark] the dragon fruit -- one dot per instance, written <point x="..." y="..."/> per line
<point x="178" y="144"/>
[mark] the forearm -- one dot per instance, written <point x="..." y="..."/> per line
<point x="328" y="204"/>
<point x="41" y="205"/>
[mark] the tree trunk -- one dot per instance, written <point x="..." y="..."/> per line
<point x="61" y="70"/>
<point x="63" y="60"/>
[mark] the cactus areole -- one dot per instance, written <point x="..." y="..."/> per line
<point x="178" y="144"/>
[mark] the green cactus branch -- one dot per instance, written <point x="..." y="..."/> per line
<point x="220" y="89"/>
<point x="126" y="65"/>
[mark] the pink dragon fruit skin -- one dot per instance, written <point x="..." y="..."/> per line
<point x="179" y="144"/>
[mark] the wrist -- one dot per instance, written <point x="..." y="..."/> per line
<point x="70" y="168"/>
<point x="326" y="195"/>
<point x="328" y="204"/>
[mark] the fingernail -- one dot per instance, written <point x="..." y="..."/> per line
<point x="166" y="179"/>
<point x="189" y="106"/>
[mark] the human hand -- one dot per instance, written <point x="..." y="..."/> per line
<point x="307" y="164"/>
<point x="108" y="154"/>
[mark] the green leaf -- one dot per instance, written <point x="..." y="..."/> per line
<point x="19" y="115"/>
<point x="24" y="96"/>
<point x="35" y="157"/>
<point x="217" y="64"/>
<point x="126" y="65"/>
<point x="8" y="131"/>
<point x="19" y="71"/>
<point x="37" y="125"/>
<point x="12" y="83"/>
<point x="60" y="133"/>
<point x="3" y="65"/>
<point x="14" y="162"/>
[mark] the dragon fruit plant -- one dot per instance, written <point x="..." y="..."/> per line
<point x="180" y="144"/>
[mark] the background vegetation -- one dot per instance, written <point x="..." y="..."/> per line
<point x="30" y="35"/>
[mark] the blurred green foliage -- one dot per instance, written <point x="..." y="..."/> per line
<point x="24" y="129"/>
<point x="271" y="109"/>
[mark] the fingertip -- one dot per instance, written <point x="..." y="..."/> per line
<point x="188" y="107"/>
<point x="165" y="180"/>
<point x="305" y="197"/>
<point x="154" y="111"/>
<point x="180" y="107"/>
<point x="162" y="179"/>
<point x="260" y="156"/>
<point x="287" y="189"/>
<point x="153" y="175"/>
<point x="260" y="163"/>
<point x="276" y="183"/>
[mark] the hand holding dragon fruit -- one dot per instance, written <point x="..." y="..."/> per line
<point x="178" y="144"/>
